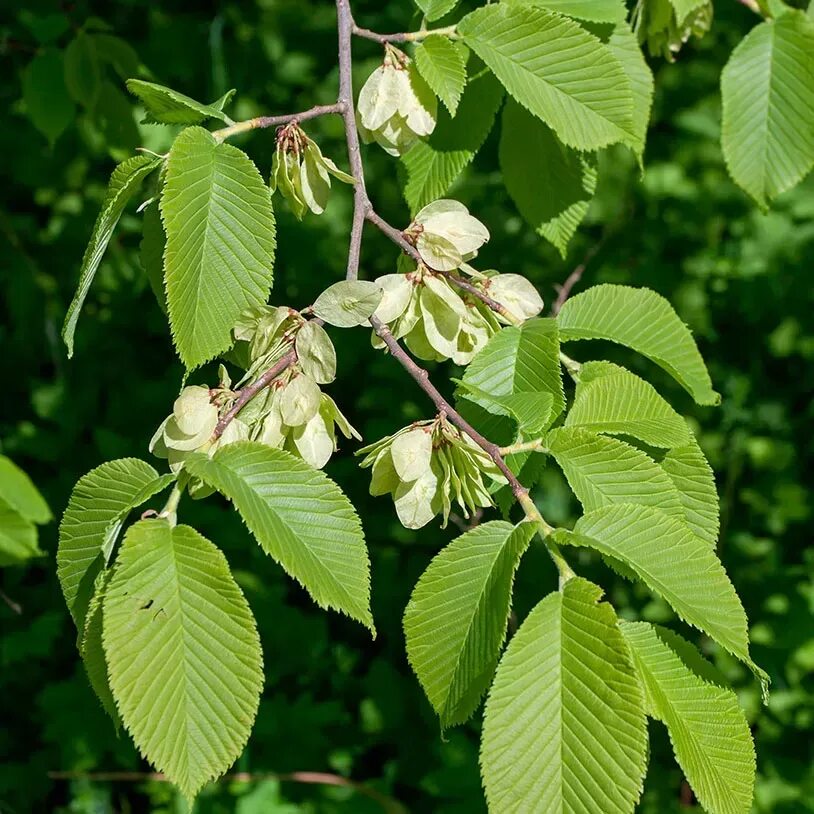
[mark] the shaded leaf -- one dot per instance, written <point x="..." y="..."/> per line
<point x="18" y="491"/>
<point x="435" y="163"/>
<point x="551" y="184"/>
<point x="455" y="623"/>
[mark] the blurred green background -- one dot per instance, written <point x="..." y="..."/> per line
<point x="334" y="701"/>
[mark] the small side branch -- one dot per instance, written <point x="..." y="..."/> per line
<point x="408" y="36"/>
<point x="263" y="122"/>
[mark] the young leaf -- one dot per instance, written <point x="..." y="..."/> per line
<point x="300" y="517"/>
<point x="644" y="321"/>
<point x="531" y="411"/>
<point x="433" y="9"/>
<point x="521" y="360"/>
<point x="603" y="471"/>
<point x="767" y="89"/>
<point x="555" y="69"/>
<point x="688" y="469"/>
<point x="99" y="505"/>
<point x="595" y="11"/>
<point x="220" y="242"/>
<point x="455" y="623"/>
<point x="564" y="728"/>
<point x="47" y="102"/>
<point x="18" y="537"/>
<point x="441" y="63"/>
<point x="435" y="163"/>
<point x="167" y="106"/>
<point x="551" y="184"/>
<point x="612" y="400"/>
<point x="348" y="303"/>
<point x="123" y="184"/>
<point x="708" y="730"/>
<point x="82" y="75"/>
<point x="17" y="490"/>
<point x="183" y="653"/>
<point x="673" y="563"/>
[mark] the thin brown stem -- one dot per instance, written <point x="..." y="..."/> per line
<point x="388" y="804"/>
<point x="14" y="606"/>
<point x="251" y="390"/>
<point x="262" y="122"/>
<point x="407" y="36"/>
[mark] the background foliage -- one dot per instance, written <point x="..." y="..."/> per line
<point x="333" y="700"/>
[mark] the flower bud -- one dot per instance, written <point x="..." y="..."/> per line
<point x="396" y="106"/>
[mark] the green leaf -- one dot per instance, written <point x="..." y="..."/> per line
<point x="433" y="164"/>
<point x="441" y="63"/>
<point x="18" y="491"/>
<point x="708" y="730"/>
<point x="124" y="182"/>
<point x="300" y="517"/>
<point x="455" y="623"/>
<point x="151" y="253"/>
<point x="767" y="89"/>
<point x="596" y="11"/>
<point x="97" y="510"/>
<point x="552" y="185"/>
<point x="82" y="74"/>
<point x="688" y="469"/>
<point x="92" y="650"/>
<point x="167" y="106"/>
<point x="220" y="242"/>
<point x="612" y="400"/>
<point x="18" y="537"/>
<point x="521" y="359"/>
<point x="183" y="653"/>
<point x="434" y="9"/>
<point x="673" y="563"/>
<point x="531" y="411"/>
<point x="624" y="45"/>
<point x="604" y="471"/>
<point x="348" y="303"/>
<point x="564" y="729"/>
<point x="47" y="102"/>
<point x="555" y="69"/>
<point x="644" y="321"/>
<point x="118" y="53"/>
